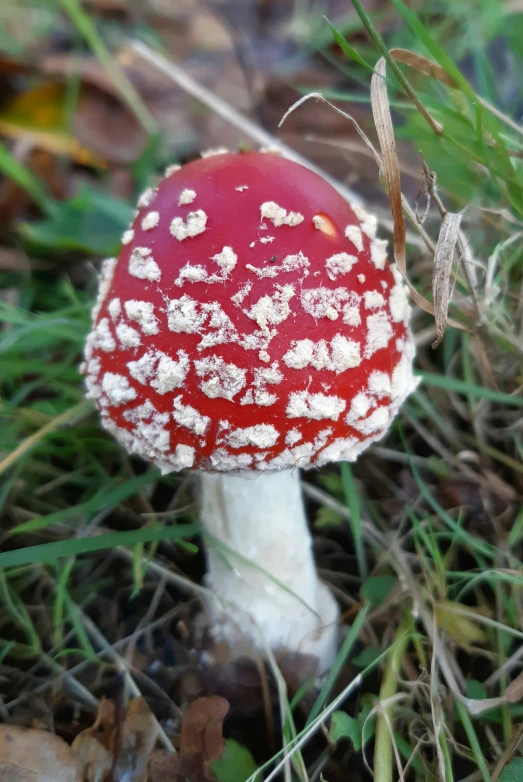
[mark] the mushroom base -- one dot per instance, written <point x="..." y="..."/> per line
<point x="261" y="568"/>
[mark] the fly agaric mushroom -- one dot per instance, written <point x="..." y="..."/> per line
<point x="252" y="326"/>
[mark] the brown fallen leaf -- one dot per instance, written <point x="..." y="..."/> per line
<point x="90" y="748"/>
<point x="140" y="731"/>
<point x="164" y="767"/>
<point x="201" y="743"/>
<point x="103" y="124"/>
<point x="36" y="756"/>
<point x="120" y="750"/>
<point x="514" y="691"/>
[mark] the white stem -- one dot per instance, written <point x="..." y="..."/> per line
<point x="261" y="567"/>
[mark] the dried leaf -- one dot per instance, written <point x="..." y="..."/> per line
<point x="423" y="65"/>
<point x="514" y="691"/>
<point x="95" y="759"/>
<point x="39" y="114"/>
<point x="447" y="240"/>
<point x="201" y="743"/>
<point x="36" y="756"/>
<point x="140" y="731"/>
<point x="477" y="702"/>
<point x="477" y="707"/>
<point x="463" y="629"/>
<point x="202" y="728"/>
<point x="390" y="173"/>
<point x="391" y="170"/>
<point x="163" y="766"/>
<point x="126" y="752"/>
<point x="105" y="125"/>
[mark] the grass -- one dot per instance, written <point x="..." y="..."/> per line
<point x="436" y="515"/>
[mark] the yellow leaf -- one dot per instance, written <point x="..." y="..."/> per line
<point x="464" y="630"/>
<point x="40" y="114"/>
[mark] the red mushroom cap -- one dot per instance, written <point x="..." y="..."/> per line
<point x="251" y="322"/>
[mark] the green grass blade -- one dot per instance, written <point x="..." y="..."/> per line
<point x="414" y="761"/>
<point x="340" y="661"/>
<point x="470" y="389"/>
<point x="81" y="635"/>
<point x="18" y="173"/>
<point x="6" y="650"/>
<point x="16" y="610"/>
<point x="63" y="574"/>
<point x="383" y="750"/>
<point x="435" y="49"/>
<point x="346" y="47"/>
<point x="107" y="497"/>
<point x="460" y="534"/>
<point x="30" y="442"/>
<point x="473" y="741"/>
<point x="353" y="503"/>
<point x="398" y="73"/>
<point x="87" y="29"/>
<point x="50" y="552"/>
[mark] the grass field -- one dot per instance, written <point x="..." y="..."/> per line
<point x="421" y="539"/>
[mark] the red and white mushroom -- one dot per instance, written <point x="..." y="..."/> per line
<point x="252" y="326"/>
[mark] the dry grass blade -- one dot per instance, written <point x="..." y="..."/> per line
<point x="447" y="240"/>
<point x="514" y="691"/>
<point x="390" y="174"/>
<point x="368" y="145"/>
<point x="67" y="418"/>
<point x="320" y="97"/>
<point x="390" y="170"/>
<point x="423" y="65"/>
<point x="434" y="71"/>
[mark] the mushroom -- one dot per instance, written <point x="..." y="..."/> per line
<point x="252" y="327"/>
